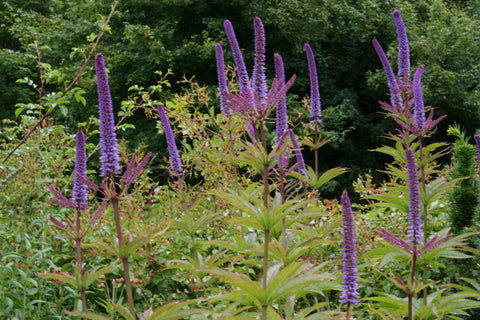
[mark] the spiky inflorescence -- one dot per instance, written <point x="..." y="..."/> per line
<point x="281" y="117"/>
<point x="391" y="79"/>
<point x="222" y="81"/>
<point x="477" y="142"/>
<point x="315" y="107"/>
<point x="242" y="74"/>
<point x="259" y="82"/>
<point x="350" y="278"/>
<point x="108" y="138"/>
<point x="175" y="161"/>
<point x="419" y="109"/>
<point x="298" y="153"/>
<point x="415" y="233"/>
<point x="403" y="48"/>
<point x="79" y="193"/>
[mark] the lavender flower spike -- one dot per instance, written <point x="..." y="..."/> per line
<point x="242" y="74"/>
<point x="281" y="116"/>
<point x="477" y="141"/>
<point x="175" y="161"/>
<point x="108" y="137"/>
<point x="79" y="193"/>
<point x="350" y="278"/>
<point x="298" y="153"/>
<point x="415" y="232"/>
<point x="222" y="81"/>
<point x="392" y="81"/>
<point x="259" y="82"/>
<point x="315" y="108"/>
<point x="419" y="109"/>
<point x="403" y="48"/>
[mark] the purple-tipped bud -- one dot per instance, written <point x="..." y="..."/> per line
<point x="108" y="138"/>
<point x="242" y="74"/>
<point x="403" y="48"/>
<point x="419" y="109"/>
<point x="298" y="153"/>
<point x="392" y="81"/>
<point x="415" y="232"/>
<point x="175" y="161"/>
<point x="281" y="116"/>
<point x="259" y="82"/>
<point x="79" y="193"/>
<point x="222" y="81"/>
<point x="315" y="108"/>
<point x="350" y="278"/>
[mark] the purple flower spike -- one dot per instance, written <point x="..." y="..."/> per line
<point x="242" y="74"/>
<point x="477" y="141"/>
<point x="281" y="116"/>
<point x="298" y="153"/>
<point x="222" y="81"/>
<point x="392" y="81"/>
<point x="315" y="108"/>
<point x="419" y="108"/>
<point x="403" y="48"/>
<point x="108" y="138"/>
<point x="175" y="161"/>
<point x="259" y="82"/>
<point x="415" y="232"/>
<point x="79" y="193"/>
<point x="350" y="278"/>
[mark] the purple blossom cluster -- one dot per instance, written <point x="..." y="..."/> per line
<point x="108" y="139"/>
<point x="315" y="106"/>
<point x="175" y="161"/>
<point x="350" y="278"/>
<point x="415" y="233"/>
<point x="79" y="192"/>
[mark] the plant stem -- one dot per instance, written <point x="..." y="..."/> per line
<point x="266" y="242"/>
<point x="425" y="209"/>
<point x="78" y="245"/>
<point x="316" y="148"/>
<point x="126" y="266"/>
<point x="411" y="288"/>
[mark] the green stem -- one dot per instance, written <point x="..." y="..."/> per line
<point x="425" y="215"/>
<point x="126" y="266"/>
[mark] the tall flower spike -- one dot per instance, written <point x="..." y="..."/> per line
<point x="350" y="278"/>
<point x="242" y="74"/>
<point x="477" y="142"/>
<point x="392" y="81"/>
<point x="315" y="107"/>
<point x="108" y="138"/>
<point x="415" y="232"/>
<point x="419" y="109"/>
<point x="298" y="153"/>
<point x="259" y="82"/>
<point x="403" y="48"/>
<point x="222" y="81"/>
<point x="79" y="193"/>
<point x="281" y="116"/>
<point x="175" y="161"/>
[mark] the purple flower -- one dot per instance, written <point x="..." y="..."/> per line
<point x="175" y="161"/>
<point x="391" y="79"/>
<point x="403" y="49"/>
<point x="222" y="81"/>
<point x="281" y="116"/>
<point x="259" y="82"/>
<point x="79" y="193"/>
<point x="108" y="139"/>
<point x="315" y="109"/>
<point x="419" y="109"/>
<point x="350" y="278"/>
<point x="298" y="153"/>
<point x="415" y="233"/>
<point x="242" y="74"/>
<point x="477" y="141"/>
